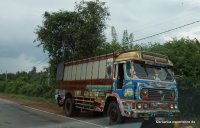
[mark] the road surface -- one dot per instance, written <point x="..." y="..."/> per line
<point x="13" y="115"/>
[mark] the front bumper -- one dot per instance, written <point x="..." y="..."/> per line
<point x="151" y="113"/>
<point x="154" y="109"/>
<point x="154" y="113"/>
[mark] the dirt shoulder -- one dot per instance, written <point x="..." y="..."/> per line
<point x="50" y="107"/>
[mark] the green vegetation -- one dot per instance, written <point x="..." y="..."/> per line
<point x="69" y="35"/>
<point x="30" y="84"/>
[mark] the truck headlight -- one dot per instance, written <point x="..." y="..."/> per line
<point x="171" y="106"/>
<point x="139" y="105"/>
<point x="175" y="106"/>
<point x="145" y="106"/>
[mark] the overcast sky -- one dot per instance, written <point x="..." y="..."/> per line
<point x="19" y="19"/>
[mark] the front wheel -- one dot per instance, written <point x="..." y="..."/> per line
<point x="114" y="113"/>
<point x="70" y="109"/>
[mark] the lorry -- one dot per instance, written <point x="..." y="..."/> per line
<point x="133" y="84"/>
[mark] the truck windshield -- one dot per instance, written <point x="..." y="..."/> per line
<point x="144" y="71"/>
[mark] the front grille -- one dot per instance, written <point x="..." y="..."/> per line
<point x="158" y="94"/>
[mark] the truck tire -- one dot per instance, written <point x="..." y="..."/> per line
<point x="114" y="113"/>
<point x="70" y="109"/>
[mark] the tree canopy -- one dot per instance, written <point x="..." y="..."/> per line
<point x="68" y="35"/>
<point x="73" y="34"/>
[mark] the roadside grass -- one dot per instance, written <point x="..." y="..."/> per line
<point x="31" y="98"/>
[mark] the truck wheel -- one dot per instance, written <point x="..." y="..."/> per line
<point x="68" y="107"/>
<point x="114" y="113"/>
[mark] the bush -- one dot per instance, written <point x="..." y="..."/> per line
<point x="2" y="86"/>
<point x="188" y="103"/>
<point x="24" y="88"/>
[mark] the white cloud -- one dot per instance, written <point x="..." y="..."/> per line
<point x="190" y="33"/>
<point x="186" y="34"/>
<point x="167" y="38"/>
<point x="21" y="63"/>
<point x="192" y="2"/>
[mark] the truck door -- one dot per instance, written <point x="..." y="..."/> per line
<point x="120" y="75"/>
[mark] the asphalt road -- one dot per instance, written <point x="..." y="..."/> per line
<point x="13" y="115"/>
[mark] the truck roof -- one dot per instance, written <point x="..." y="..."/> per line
<point x="148" y="57"/>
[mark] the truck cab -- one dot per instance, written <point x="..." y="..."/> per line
<point x="144" y="86"/>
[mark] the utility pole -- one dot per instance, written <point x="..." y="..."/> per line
<point x="48" y="73"/>
<point x="6" y="76"/>
<point x="63" y="45"/>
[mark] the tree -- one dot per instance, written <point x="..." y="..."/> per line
<point x="125" y="39"/>
<point x="130" y="38"/>
<point x="33" y="71"/>
<point x="114" y="35"/>
<point x="91" y="33"/>
<point x="69" y="35"/>
<point x="131" y="46"/>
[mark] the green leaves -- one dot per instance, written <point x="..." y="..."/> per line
<point x="69" y="35"/>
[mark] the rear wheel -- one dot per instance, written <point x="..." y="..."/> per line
<point x="70" y="109"/>
<point x="114" y="113"/>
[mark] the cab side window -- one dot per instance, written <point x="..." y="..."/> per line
<point x="128" y="69"/>
<point x="120" y="75"/>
